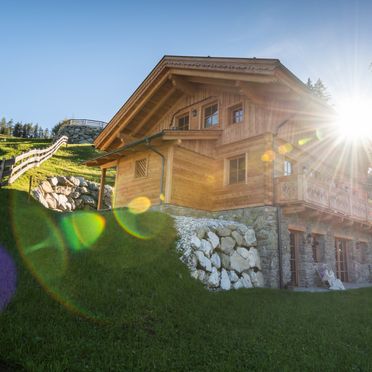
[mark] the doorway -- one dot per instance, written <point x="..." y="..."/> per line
<point x="294" y="244"/>
<point x="341" y="247"/>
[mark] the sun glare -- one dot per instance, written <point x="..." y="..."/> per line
<point x="354" y="119"/>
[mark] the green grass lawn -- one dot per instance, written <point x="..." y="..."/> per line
<point x="92" y="297"/>
<point x="67" y="161"/>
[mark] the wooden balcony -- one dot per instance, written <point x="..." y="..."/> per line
<point x="303" y="190"/>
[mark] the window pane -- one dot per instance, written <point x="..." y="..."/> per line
<point x="241" y="175"/>
<point x="237" y="115"/>
<point x="234" y="165"/>
<point x="237" y="170"/>
<point x="287" y="168"/>
<point x="241" y="163"/>
<point x="183" y="123"/>
<point x="211" y="116"/>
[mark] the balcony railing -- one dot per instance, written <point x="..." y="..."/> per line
<point x="299" y="188"/>
<point x="87" y="122"/>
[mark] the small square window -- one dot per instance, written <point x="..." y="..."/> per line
<point x="237" y="115"/>
<point x="288" y="168"/>
<point x="237" y="170"/>
<point x="211" y="116"/>
<point x="140" y="169"/>
<point x="183" y="122"/>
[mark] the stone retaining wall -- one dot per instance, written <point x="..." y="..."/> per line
<point x="221" y="254"/>
<point x="66" y="194"/>
<point x="264" y="223"/>
<point x="79" y="134"/>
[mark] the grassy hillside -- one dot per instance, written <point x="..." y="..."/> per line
<point x="67" y="161"/>
<point x="92" y="297"/>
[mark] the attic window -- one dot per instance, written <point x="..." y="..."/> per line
<point x="140" y="169"/>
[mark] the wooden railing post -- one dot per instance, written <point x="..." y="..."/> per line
<point x="2" y="166"/>
<point x="101" y="189"/>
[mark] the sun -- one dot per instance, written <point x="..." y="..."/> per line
<point x="354" y="119"/>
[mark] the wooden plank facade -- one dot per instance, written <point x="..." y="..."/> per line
<point x="226" y="136"/>
<point x="215" y="114"/>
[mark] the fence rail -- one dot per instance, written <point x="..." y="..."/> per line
<point x="11" y="169"/>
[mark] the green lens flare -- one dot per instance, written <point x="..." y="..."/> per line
<point x="304" y="141"/>
<point x="138" y="224"/>
<point x="42" y="248"/>
<point x="82" y="229"/>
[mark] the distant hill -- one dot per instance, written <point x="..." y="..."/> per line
<point x="67" y="161"/>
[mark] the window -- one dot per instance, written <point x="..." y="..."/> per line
<point x="140" y="169"/>
<point x="237" y="114"/>
<point x="183" y="122"/>
<point x="237" y="170"/>
<point x="211" y="116"/>
<point x="316" y="247"/>
<point x="361" y="252"/>
<point x="294" y="245"/>
<point x="288" y="168"/>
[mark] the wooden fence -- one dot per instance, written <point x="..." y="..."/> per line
<point x="11" y="169"/>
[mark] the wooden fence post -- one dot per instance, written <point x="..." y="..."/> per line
<point x="2" y="165"/>
<point x="29" y="188"/>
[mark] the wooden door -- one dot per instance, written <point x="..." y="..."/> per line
<point x="341" y="259"/>
<point x="294" y="243"/>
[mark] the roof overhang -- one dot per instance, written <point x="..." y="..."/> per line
<point x="175" y="76"/>
<point x="156" y="139"/>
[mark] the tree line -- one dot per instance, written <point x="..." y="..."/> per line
<point x="23" y="130"/>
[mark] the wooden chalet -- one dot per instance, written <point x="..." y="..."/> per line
<point x="245" y="137"/>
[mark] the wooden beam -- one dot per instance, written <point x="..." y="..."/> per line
<point x="101" y="189"/>
<point x="148" y="116"/>
<point x="126" y="110"/>
<point x="257" y="78"/>
<point x="251" y="93"/>
<point x="111" y="164"/>
<point x="294" y="209"/>
<point x="182" y="84"/>
<point x="126" y="138"/>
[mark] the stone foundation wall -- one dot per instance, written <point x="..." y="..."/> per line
<point x="358" y="271"/>
<point x="264" y="221"/>
<point x="79" y="134"/>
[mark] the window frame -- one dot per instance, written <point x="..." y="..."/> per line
<point x="285" y="170"/>
<point x="178" y="117"/>
<point x="233" y="109"/>
<point x="228" y="170"/>
<point x="136" y="161"/>
<point x="204" y="116"/>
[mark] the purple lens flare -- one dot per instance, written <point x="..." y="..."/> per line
<point x="8" y="278"/>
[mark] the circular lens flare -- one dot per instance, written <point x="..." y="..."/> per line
<point x="285" y="149"/>
<point x="139" y="205"/>
<point x="268" y="156"/>
<point x="42" y="249"/>
<point x="82" y="229"/>
<point x="136" y="222"/>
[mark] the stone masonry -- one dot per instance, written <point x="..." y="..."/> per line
<point x="264" y="221"/>
<point x="79" y="134"/>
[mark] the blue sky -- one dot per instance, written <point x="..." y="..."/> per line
<point x="83" y="59"/>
